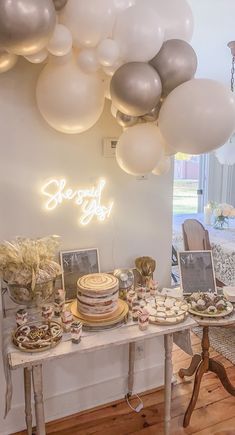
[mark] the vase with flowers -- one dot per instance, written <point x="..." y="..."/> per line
<point x="222" y="213"/>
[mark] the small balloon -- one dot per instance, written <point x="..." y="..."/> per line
<point x="139" y="149"/>
<point x="88" y="60"/>
<point x="7" y="61"/>
<point x="163" y="166"/>
<point x="37" y="57"/>
<point x="126" y="120"/>
<point x="175" y="63"/>
<point x="136" y="88"/>
<point x="26" y="25"/>
<point x="110" y="70"/>
<point x="59" y="4"/>
<point x="61" y="41"/>
<point x="108" y="52"/>
<point x="152" y="116"/>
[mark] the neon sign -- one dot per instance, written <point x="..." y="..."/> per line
<point x="89" y="200"/>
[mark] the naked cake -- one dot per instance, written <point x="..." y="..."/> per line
<point x="97" y="294"/>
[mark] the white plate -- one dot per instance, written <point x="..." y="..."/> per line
<point x="223" y="313"/>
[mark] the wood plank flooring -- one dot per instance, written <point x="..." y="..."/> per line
<point x="214" y="413"/>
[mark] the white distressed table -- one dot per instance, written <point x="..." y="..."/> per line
<point x="128" y="334"/>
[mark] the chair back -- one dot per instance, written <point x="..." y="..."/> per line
<point x="196" y="237"/>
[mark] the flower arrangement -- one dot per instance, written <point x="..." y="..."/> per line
<point x="27" y="265"/>
<point x="222" y="213"/>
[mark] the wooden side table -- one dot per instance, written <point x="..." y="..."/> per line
<point x="201" y="364"/>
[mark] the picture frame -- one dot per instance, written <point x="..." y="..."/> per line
<point x="196" y="271"/>
<point x="76" y="263"/>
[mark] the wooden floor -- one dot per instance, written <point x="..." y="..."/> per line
<point x="214" y="413"/>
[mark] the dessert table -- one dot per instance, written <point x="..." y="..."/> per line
<point x="222" y="243"/>
<point x="32" y="363"/>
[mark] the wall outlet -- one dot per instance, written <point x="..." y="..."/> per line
<point x="140" y="351"/>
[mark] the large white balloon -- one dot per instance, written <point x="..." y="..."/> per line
<point x="163" y="166"/>
<point x="88" y="60"/>
<point x="7" y="60"/>
<point x="38" y="57"/>
<point x="69" y="100"/>
<point x="139" y="33"/>
<point x="139" y="149"/>
<point x="121" y="5"/>
<point x="61" y="41"/>
<point x="108" y="52"/>
<point x="89" y="21"/>
<point x="226" y="154"/>
<point x="176" y="16"/>
<point x="198" y="116"/>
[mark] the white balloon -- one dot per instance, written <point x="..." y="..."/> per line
<point x="61" y="41"/>
<point x="176" y="15"/>
<point x="226" y="154"/>
<point x="7" y="60"/>
<point x="89" y="21"/>
<point x="37" y="57"/>
<point x="139" y="149"/>
<point x="163" y="166"/>
<point x="88" y="60"/>
<point x="108" y="52"/>
<point x="139" y="33"/>
<point x="198" y="116"/>
<point x="69" y="100"/>
<point x="110" y="70"/>
<point x="121" y="5"/>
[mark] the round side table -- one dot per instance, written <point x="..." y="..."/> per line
<point x="201" y="364"/>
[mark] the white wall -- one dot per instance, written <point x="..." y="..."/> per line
<point x="140" y="225"/>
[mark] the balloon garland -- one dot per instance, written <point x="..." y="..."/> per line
<point x="135" y="53"/>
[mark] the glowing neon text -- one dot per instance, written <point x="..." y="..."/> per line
<point x="89" y="200"/>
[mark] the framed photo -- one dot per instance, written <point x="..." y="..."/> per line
<point x="196" y="271"/>
<point x="76" y="264"/>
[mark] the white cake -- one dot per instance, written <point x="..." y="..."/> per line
<point x="97" y="294"/>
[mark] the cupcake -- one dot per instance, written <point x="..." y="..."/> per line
<point x="143" y="319"/>
<point x="67" y="320"/>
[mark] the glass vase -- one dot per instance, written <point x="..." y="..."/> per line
<point x="221" y="223"/>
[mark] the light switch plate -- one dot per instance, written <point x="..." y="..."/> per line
<point x="109" y="146"/>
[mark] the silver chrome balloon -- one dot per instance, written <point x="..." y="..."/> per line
<point x="175" y="63"/>
<point x="135" y="88"/>
<point x="126" y="120"/>
<point x="152" y="116"/>
<point x="7" y="60"/>
<point x="26" y="25"/>
<point x="59" y="4"/>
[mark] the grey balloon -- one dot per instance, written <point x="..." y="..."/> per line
<point x="176" y="63"/>
<point x="59" y="4"/>
<point x="126" y="120"/>
<point x="7" y="60"/>
<point x="135" y="88"/>
<point x="26" y="25"/>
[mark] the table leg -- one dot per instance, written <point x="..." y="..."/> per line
<point x="168" y="343"/>
<point x="38" y="398"/>
<point x="196" y="359"/>
<point x="27" y="395"/>
<point x="131" y="368"/>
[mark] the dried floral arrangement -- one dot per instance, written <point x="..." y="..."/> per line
<point x="29" y="262"/>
